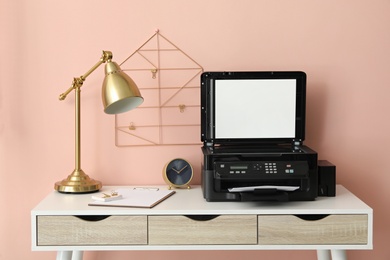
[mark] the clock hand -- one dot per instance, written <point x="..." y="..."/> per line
<point x="175" y="170"/>
<point x="182" y="168"/>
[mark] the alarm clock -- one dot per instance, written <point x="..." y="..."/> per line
<point x="178" y="173"/>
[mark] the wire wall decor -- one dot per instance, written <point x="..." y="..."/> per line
<point x="169" y="81"/>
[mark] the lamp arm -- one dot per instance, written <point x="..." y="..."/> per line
<point x="78" y="82"/>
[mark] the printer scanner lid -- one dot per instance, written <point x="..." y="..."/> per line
<point x="253" y="107"/>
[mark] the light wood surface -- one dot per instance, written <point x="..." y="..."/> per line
<point x="333" y="229"/>
<point x="72" y="231"/>
<point x="181" y="230"/>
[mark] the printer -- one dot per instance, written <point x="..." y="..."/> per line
<point x="252" y="130"/>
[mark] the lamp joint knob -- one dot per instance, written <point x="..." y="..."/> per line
<point x="107" y="56"/>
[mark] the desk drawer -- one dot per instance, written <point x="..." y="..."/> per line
<point x="313" y="229"/>
<point x="203" y="230"/>
<point x="91" y="230"/>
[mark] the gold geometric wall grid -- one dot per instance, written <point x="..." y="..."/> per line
<point x="169" y="81"/>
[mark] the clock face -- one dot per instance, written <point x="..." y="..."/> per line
<point x="178" y="172"/>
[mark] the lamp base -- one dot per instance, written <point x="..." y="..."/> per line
<point x="78" y="182"/>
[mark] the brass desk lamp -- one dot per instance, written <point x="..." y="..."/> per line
<point x="119" y="94"/>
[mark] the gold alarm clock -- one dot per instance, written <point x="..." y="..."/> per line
<point x="178" y="173"/>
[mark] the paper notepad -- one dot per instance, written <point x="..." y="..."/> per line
<point x="136" y="197"/>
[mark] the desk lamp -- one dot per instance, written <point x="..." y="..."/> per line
<point x="119" y="94"/>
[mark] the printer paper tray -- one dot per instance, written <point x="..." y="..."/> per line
<point x="263" y="187"/>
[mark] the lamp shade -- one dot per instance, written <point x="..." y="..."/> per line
<point x="119" y="92"/>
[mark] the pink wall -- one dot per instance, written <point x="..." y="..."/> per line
<point x="343" y="46"/>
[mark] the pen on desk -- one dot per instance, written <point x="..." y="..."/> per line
<point x="146" y="188"/>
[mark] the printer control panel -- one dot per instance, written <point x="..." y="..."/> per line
<point x="233" y="170"/>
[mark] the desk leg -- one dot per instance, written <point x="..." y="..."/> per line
<point x="339" y="255"/>
<point x="70" y="255"/>
<point x="323" y="255"/>
<point x="64" y="255"/>
<point x="77" y="255"/>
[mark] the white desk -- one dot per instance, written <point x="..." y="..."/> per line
<point x="66" y="224"/>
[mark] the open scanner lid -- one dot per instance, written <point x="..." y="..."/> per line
<point x="253" y="107"/>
